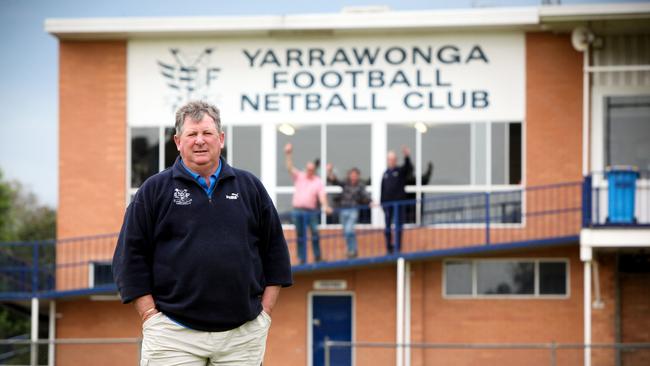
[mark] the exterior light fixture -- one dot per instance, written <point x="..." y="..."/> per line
<point x="421" y="127"/>
<point x="287" y="129"/>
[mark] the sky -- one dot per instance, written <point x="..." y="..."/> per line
<point x="29" y="64"/>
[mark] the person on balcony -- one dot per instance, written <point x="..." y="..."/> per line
<point x="393" y="182"/>
<point x="308" y="192"/>
<point x="354" y="195"/>
<point x="201" y="254"/>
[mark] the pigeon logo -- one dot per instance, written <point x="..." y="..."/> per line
<point x="189" y="76"/>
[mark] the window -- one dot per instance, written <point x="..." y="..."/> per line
<point x="506" y="153"/>
<point x="306" y="142"/>
<point x="448" y="147"/>
<point x="627" y="131"/>
<point x="144" y="154"/>
<point x="171" y="152"/>
<point x="148" y="156"/>
<point x="505" y="277"/>
<point x="344" y="145"/>
<point x="247" y="148"/>
<point x="100" y="274"/>
<point x="459" y="277"/>
<point x="468" y="208"/>
<point x="348" y="146"/>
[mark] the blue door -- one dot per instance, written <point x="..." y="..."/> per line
<point x="331" y="318"/>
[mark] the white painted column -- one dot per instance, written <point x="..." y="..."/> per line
<point x="587" y="312"/>
<point x="268" y="159"/>
<point x="407" y="313"/>
<point x="400" y="313"/>
<point x="377" y="166"/>
<point x="51" y="348"/>
<point x="34" y="334"/>
<point x="585" y="112"/>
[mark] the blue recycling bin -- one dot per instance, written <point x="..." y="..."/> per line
<point x="621" y="195"/>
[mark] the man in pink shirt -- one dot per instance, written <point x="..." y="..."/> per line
<point x="308" y="192"/>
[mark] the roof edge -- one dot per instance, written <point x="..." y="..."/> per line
<point x="350" y="21"/>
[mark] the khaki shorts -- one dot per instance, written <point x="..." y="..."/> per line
<point x="165" y="342"/>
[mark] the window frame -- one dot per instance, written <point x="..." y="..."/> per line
<point x="420" y="189"/>
<point x="536" y="295"/>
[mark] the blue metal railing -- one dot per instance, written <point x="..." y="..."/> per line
<point x="433" y="224"/>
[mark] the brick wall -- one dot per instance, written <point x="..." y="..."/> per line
<point x="553" y="109"/>
<point x="92" y="137"/>
<point x="504" y="320"/>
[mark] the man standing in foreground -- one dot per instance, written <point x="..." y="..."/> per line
<point x="201" y="254"/>
<point x="392" y="191"/>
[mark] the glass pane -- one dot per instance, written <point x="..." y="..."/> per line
<point x="247" y="148"/>
<point x="628" y="131"/>
<point x="448" y="147"/>
<point x="171" y="153"/>
<point x="399" y="135"/>
<point x="505" y="207"/>
<point x="552" y="278"/>
<point x="506" y="153"/>
<point x="505" y="277"/>
<point x="458" y="278"/>
<point x="144" y="154"/>
<point x="480" y="156"/>
<point x="283" y="205"/>
<point x="306" y="147"/>
<point x="453" y="208"/>
<point x="515" y="152"/>
<point x="499" y="153"/>
<point x="348" y="146"/>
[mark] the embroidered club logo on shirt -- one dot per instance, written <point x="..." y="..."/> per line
<point x="182" y="197"/>
<point x="232" y="196"/>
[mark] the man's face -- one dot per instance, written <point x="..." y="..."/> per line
<point x="310" y="169"/>
<point x="200" y="143"/>
<point x="391" y="159"/>
<point x="353" y="176"/>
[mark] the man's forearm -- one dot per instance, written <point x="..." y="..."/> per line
<point x="145" y="306"/>
<point x="288" y="161"/>
<point x="270" y="297"/>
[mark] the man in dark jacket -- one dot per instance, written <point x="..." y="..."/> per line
<point x="201" y="254"/>
<point x="392" y="191"/>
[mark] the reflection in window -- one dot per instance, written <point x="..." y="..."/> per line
<point x="170" y="147"/>
<point x="506" y="153"/>
<point x="306" y="147"/>
<point x="469" y="208"/>
<point x="449" y="148"/>
<point x="505" y="277"/>
<point x="144" y="154"/>
<point x="487" y="277"/>
<point x="247" y="148"/>
<point x="628" y="131"/>
<point x="458" y="278"/>
<point x="552" y="278"/>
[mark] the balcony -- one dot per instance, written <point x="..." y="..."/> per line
<point x="616" y="209"/>
<point x="436" y="227"/>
